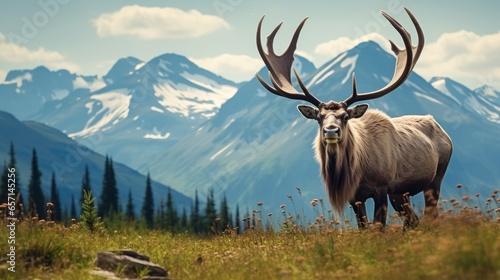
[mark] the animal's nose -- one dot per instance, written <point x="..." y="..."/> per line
<point x="331" y="129"/>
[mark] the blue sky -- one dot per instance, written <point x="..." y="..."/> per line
<point x="87" y="37"/>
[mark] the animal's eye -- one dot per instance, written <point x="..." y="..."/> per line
<point x="345" y="117"/>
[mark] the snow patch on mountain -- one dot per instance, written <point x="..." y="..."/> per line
<point x="156" y="134"/>
<point x="189" y="101"/>
<point x="156" y="109"/>
<point x="351" y="62"/>
<point x="427" y="97"/>
<point x="59" y="94"/>
<point x="114" y="106"/>
<point x="441" y="86"/>
<point x="324" y="73"/>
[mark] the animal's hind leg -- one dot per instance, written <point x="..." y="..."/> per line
<point x="402" y="205"/>
<point x="431" y="193"/>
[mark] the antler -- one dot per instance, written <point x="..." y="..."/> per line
<point x="405" y="61"/>
<point x="280" y="67"/>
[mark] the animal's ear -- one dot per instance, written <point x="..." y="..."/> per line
<point x="357" y="111"/>
<point x="308" y="111"/>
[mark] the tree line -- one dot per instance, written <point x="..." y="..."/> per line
<point x="212" y="218"/>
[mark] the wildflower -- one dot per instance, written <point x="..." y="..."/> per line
<point x="290" y="197"/>
<point x="444" y="201"/>
<point x="314" y="202"/>
<point x="260" y="203"/>
<point x="495" y="191"/>
<point x="270" y="214"/>
<point x="256" y="211"/>
<point x="73" y="220"/>
<point x="477" y="194"/>
<point x="217" y="220"/>
<point x="282" y="206"/>
<point x="459" y="186"/>
<point x="466" y="198"/>
<point x="452" y="200"/>
<point x="488" y="200"/>
<point x="298" y="190"/>
<point x="50" y="204"/>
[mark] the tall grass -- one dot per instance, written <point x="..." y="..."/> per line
<point x="464" y="243"/>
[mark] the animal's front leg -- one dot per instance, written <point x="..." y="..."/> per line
<point x="380" y="213"/>
<point x="360" y="210"/>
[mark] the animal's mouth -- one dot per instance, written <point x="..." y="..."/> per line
<point x="334" y="140"/>
<point x="331" y="137"/>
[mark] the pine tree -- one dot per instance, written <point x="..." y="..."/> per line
<point x="225" y="219"/>
<point x="183" y="224"/>
<point x="54" y="198"/>
<point x="195" y="218"/>
<point x="130" y="207"/>
<point x="72" y="211"/>
<point x="171" y="212"/>
<point x="36" y="198"/>
<point x="148" y="204"/>
<point x="85" y="183"/>
<point x="210" y="212"/>
<point x="109" y="196"/>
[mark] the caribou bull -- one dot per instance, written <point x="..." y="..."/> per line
<point x="364" y="153"/>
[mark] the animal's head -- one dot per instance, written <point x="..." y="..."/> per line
<point x="333" y="117"/>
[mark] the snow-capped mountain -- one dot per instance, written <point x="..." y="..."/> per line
<point x="258" y="147"/>
<point x="24" y="92"/>
<point x="67" y="159"/>
<point x="141" y="108"/>
<point x="484" y="101"/>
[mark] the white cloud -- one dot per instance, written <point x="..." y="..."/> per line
<point x="464" y="56"/>
<point x="156" y="23"/>
<point x="12" y="53"/>
<point x="93" y="85"/>
<point x="231" y="66"/>
<point x="335" y="47"/>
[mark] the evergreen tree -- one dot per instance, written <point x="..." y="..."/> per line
<point x="237" y="223"/>
<point x="195" y="218"/>
<point x="54" y="198"/>
<point x="109" y="196"/>
<point x="225" y="219"/>
<point x="85" y="183"/>
<point x="183" y="224"/>
<point x="36" y="198"/>
<point x="171" y="212"/>
<point x="130" y="207"/>
<point x="148" y="204"/>
<point x="72" y="211"/>
<point x="210" y="212"/>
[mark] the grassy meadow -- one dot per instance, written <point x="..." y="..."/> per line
<point x="464" y="243"/>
